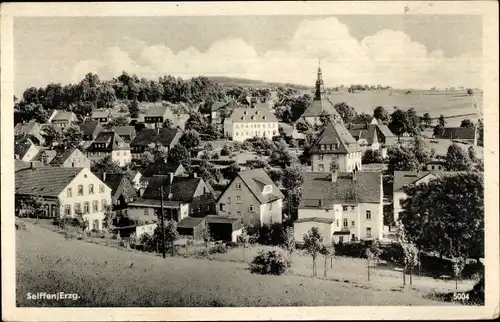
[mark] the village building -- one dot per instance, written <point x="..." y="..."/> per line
<point x="62" y="119"/>
<point x="335" y="141"/>
<point x="319" y="105"/>
<point x="90" y="131"/>
<point x="32" y="130"/>
<point x="466" y="134"/>
<point x="156" y="116"/>
<point x="253" y="198"/>
<point x="122" y="189"/>
<point x="220" y="110"/>
<point x="67" y="158"/>
<point x="102" y="116"/>
<point x="108" y="143"/>
<point x="25" y="149"/>
<point x="135" y="177"/>
<point x="64" y="192"/>
<point x="127" y="133"/>
<point x="345" y="206"/>
<point x="245" y="123"/>
<point x="166" y="137"/>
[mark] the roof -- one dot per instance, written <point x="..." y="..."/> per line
<point x="164" y="169"/>
<point x="22" y="147"/>
<point x="163" y="136"/>
<point x="247" y="114"/>
<point x="319" y="186"/>
<point x="458" y="133"/>
<point x="190" y="222"/>
<point x="336" y="133"/>
<point x="101" y="113"/>
<point x="384" y="130"/>
<point x="182" y="188"/>
<point x="404" y="178"/>
<point x="255" y="180"/>
<point x="220" y="219"/>
<point x="315" y="219"/>
<point x="113" y="180"/>
<point x="142" y="202"/>
<point x="44" y="181"/>
<point x="368" y="133"/>
<point x="91" y="128"/>
<point x="62" y="156"/>
<point x="287" y="128"/>
<point x="124" y="130"/>
<point x="25" y="128"/>
<point x="217" y="106"/>
<point x="112" y="142"/>
<point x="319" y="106"/>
<point x="21" y="165"/>
<point x="158" y="111"/>
<point x="64" y="116"/>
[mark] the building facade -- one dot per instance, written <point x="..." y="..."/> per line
<point x="110" y="144"/>
<point x="246" y="123"/>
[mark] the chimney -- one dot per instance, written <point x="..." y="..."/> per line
<point x="32" y="165"/>
<point x="335" y="175"/>
<point x="195" y="175"/>
<point x="103" y="176"/>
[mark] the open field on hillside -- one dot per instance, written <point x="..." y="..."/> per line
<point x="103" y="276"/>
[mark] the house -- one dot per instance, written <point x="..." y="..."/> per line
<point x="166" y="137"/>
<point x="102" y="116"/>
<point x="32" y="129"/>
<point x="467" y="134"/>
<point x="319" y="105"/>
<point x="127" y="133"/>
<point x="345" y="206"/>
<point x="372" y="136"/>
<point x="65" y="191"/>
<point x="62" y="119"/>
<point x="403" y="179"/>
<point x="220" y="110"/>
<point x="108" y="143"/>
<point x="435" y="165"/>
<point x="135" y="177"/>
<point x="224" y="228"/>
<point x="245" y="123"/>
<point x="90" y="131"/>
<point x="253" y="198"/>
<point x="122" y="189"/>
<point x="69" y="158"/>
<point x="25" y="149"/>
<point x="182" y="197"/>
<point x="156" y="116"/>
<point x="335" y="141"/>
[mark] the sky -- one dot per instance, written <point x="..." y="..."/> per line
<point x="418" y="51"/>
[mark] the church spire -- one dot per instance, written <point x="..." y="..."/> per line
<point x="319" y="83"/>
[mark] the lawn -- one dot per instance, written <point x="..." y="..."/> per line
<point x="105" y="276"/>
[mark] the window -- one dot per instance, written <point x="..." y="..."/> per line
<point x="86" y="207"/>
<point x="238" y="186"/>
<point x="101" y="188"/>
<point x="432" y="167"/>
<point x="353" y="208"/>
<point x="53" y="211"/>
<point x="321" y="167"/>
<point x="337" y="222"/>
<point x="353" y="223"/>
<point x="46" y="210"/>
<point x="146" y="212"/>
<point x="78" y="207"/>
<point x="250" y="208"/>
<point x="344" y="208"/>
<point x="346" y="223"/>
<point x="221" y="207"/>
<point x="368" y="232"/>
<point x="80" y="190"/>
<point x="321" y="157"/>
<point x="103" y="205"/>
<point x="238" y="213"/>
<point x="70" y="193"/>
<point x="118" y="153"/>
<point x="228" y="199"/>
<point x="368" y="215"/>
<point x="91" y="189"/>
<point x="95" y="206"/>
<point x="238" y="199"/>
<point x="67" y="210"/>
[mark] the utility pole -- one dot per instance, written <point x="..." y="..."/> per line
<point x="162" y="222"/>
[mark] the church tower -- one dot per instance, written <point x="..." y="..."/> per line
<point x="319" y="84"/>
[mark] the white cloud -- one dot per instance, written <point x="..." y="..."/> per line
<point x="387" y="57"/>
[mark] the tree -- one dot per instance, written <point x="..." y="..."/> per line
<point x="347" y="112"/>
<point x="312" y="244"/>
<point x="472" y="153"/>
<point x="467" y="123"/>
<point x="421" y="151"/>
<point x="291" y="181"/>
<point x="171" y="235"/>
<point x="133" y="109"/>
<point x="369" y="256"/>
<point x="381" y="114"/>
<point x="72" y="137"/>
<point x="413" y="122"/>
<point x="442" y="120"/>
<point x="190" y="139"/>
<point x="438" y="130"/>
<point x="402" y="159"/>
<point x="289" y="241"/>
<point x="106" y="165"/>
<point x="372" y="156"/>
<point x="52" y="134"/>
<point x="457" y="159"/>
<point x="458" y="267"/>
<point x="120" y="121"/>
<point x="470" y="91"/>
<point x="480" y="132"/>
<point x="326" y="251"/>
<point x="325" y="118"/>
<point x="178" y="154"/>
<point x="196" y="122"/>
<point x="206" y="234"/>
<point x="302" y="126"/>
<point x="154" y="158"/>
<point x="107" y="223"/>
<point x="168" y="124"/>
<point x="363" y="118"/>
<point x="427" y="120"/>
<point x="398" y="123"/>
<point x="446" y="215"/>
<point x="334" y="165"/>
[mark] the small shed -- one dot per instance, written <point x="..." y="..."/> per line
<point x="224" y="228"/>
<point x="325" y="227"/>
<point x="191" y="226"/>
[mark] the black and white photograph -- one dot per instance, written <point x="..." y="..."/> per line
<point x="284" y="156"/>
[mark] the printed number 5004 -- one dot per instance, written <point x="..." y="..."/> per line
<point x="461" y="296"/>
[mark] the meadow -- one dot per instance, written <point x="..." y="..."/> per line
<point x="105" y="276"/>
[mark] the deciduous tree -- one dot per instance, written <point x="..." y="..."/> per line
<point x="381" y="114"/>
<point x="457" y="159"/>
<point x="312" y="244"/>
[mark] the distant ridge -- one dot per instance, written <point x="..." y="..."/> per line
<point x="235" y="81"/>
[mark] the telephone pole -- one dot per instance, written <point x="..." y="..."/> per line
<point x="162" y="222"/>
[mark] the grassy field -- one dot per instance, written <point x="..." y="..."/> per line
<point x="104" y="276"/>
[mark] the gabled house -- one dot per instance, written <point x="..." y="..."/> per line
<point x="182" y="197"/>
<point x="69" y="158"/>
<point x="102" y="116"/>
<point x="62" y="119"/>
<point x="335" y="140"/>
<point x="135" y="177"/>
<point x="108" y="143"/>
<point x="166" y="137"/>
<point x="65" y="191"/>
<point x="345" y="206"/>
<point x="459" y="133"/>
<point x="156" y="116"/>
<point x="245" y="123"/>
<point x="31" y="129"/>
<point x="90" y="131"/>
<point x="220" y="110"/>
<point x="367" y="136"/>
<point x="25" y="149"/>
<point x="253" y="198"/>
<point x="122" y="189"/>
<point x="127" y="133"/>
<point x="320" y="105"/>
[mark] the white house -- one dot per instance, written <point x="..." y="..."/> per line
<point x="345" y="206"/>
<point x="65" y="191"/>
<point x="245" y="123"/>
<point x="109" y="143"/>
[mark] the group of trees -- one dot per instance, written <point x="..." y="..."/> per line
<point x="66" y="138"/>
<point x="409" y="158"/>
<point x="404" y="122"/>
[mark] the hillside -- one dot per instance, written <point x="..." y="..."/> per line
<point x="244" y="82"/>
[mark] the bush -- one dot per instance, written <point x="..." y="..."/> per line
<point x="357" y="250"/>
<point x="231" y="244"/>
<point x="476" y="295"/>
<point x="218" y="249"/>
<point x="271" y="235"/>
<point x="20" y="226"/>
<point x="226" y="150"/>
<point x="372" y="156"/>
<point x="271" y="262"/>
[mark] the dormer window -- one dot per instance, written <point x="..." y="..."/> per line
<point x="267" y="189"/>
<point x="322" y="146"/>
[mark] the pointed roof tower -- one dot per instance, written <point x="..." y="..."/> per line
<point x="319" y="83"/>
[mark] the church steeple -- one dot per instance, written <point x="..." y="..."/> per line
<point x="319" y="83"/>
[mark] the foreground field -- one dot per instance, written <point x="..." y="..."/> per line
<point x="103" y="276"/>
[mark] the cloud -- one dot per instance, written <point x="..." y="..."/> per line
<point x="388" y="57"/>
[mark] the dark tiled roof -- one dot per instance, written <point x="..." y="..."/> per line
<point x="111" y="140"/>
<point x="165" y="169"/>
<point x="114" y="180"/>
<point x="458" y="133"/>
<point x="403" y="178"/>
<point x="26" y="128"/>
<point x="22" y="146"/>
<point x="255" y="180"/>
<point x="142" y="202"/>
<point x="319" y="106"/>
<point x="158" y="111"/>
<point x="21" y="165"/>
<point x="91" y="128"/>
<point x="44" y="181"/>
<point x="247" y="114"/>
<point x="217" y="106"/>
<point x="315" y="219"/>
<point x="183" y="188"/>
<point x="190" y="222"/>
<point x="220" y="219"/>
<point x="336" y="134"/>
<point x="125" y="131"/>
<point x="385" y="130"/>
<point x="319" y="186"/>
<point x="62" y="156"/>
<point x="147" y="136"/>
<point x="369" y="133"/>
